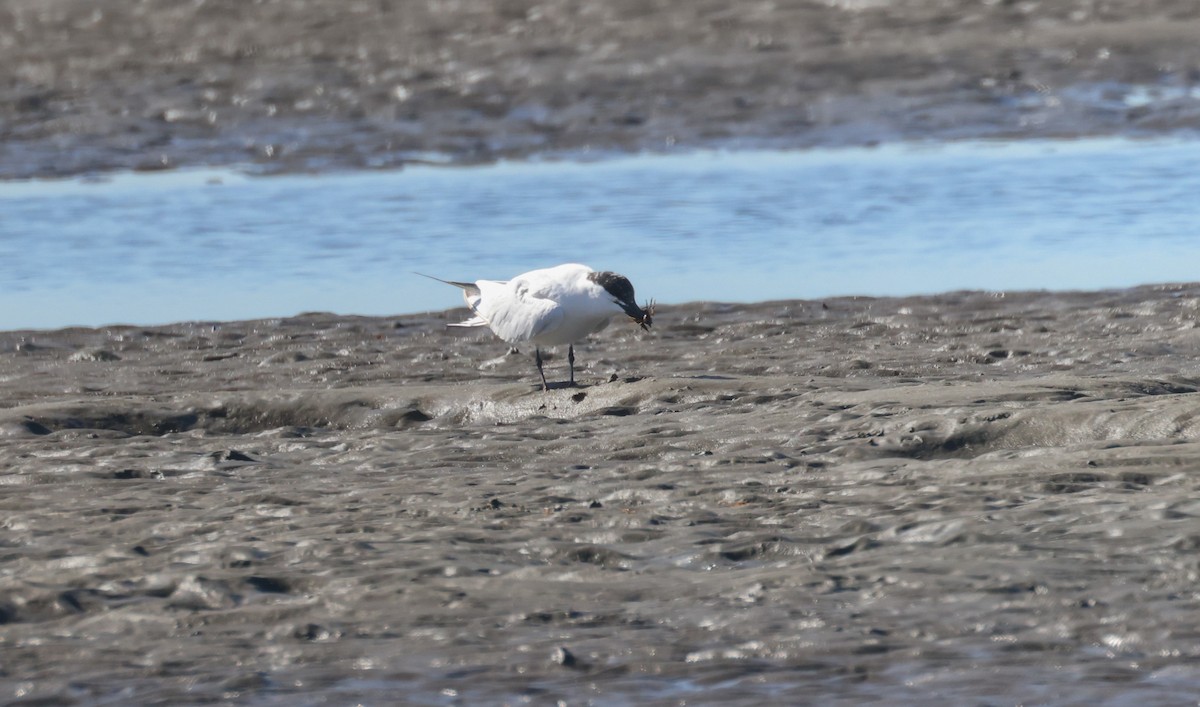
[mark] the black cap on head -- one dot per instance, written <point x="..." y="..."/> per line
<point x="622" y="291"/>
<point x="617" y="285"/>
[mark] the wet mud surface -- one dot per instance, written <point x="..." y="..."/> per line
<point x="284" y="85"/>
<point x="957" y="498"/>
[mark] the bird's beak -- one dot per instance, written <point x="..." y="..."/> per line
<point x="642" y="316"/>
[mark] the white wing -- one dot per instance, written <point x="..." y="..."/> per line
<point x="552" y="306"/>
<point x="514" y="310"/>
<point x="472" y="322"/>
<point x="472" y="296"/>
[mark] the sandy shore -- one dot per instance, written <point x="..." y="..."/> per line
<point x="961" y="497"/>
<point x="288" y="85"/>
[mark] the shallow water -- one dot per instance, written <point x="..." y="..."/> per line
<point x="172" y="246"/>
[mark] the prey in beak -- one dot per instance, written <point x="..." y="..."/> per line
<point x="642" y="316"/>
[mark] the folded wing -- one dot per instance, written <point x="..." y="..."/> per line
<point x="514" y="310"/>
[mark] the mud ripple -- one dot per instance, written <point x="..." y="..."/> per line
<point x="754" y="524"/>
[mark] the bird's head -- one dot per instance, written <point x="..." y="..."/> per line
<point x="621" y="290"/>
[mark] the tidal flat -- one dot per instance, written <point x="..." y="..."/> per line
<point x="973" y="495"/>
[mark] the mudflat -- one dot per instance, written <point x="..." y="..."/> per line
<point x="317" y="84"/>
<point x="956" y="497"/>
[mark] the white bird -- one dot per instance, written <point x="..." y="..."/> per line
<point x="551" y="307"/>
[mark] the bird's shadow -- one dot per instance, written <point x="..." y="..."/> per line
<point x="562" y="385"/>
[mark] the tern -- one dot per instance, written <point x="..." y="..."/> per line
<point x="551" y="307"/>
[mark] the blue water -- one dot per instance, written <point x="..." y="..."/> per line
<point x="215" y="245"/>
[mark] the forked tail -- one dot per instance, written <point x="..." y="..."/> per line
<point x="468" y="288"/>
<point x="470" y="294"/>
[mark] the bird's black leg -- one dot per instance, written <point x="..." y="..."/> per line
<point x="571" y="362"/>
<point x="537" y="353"/>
